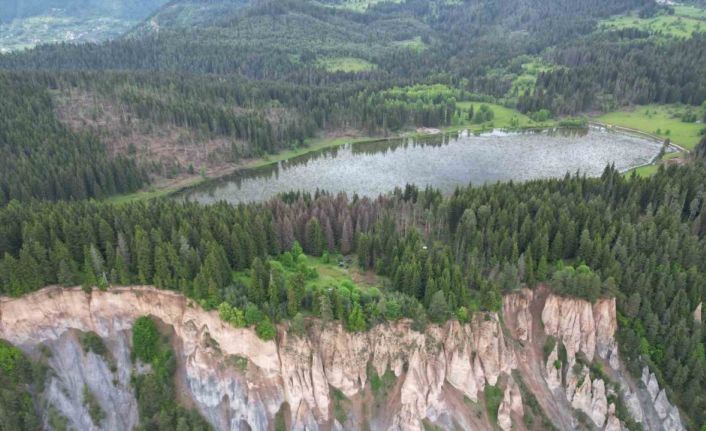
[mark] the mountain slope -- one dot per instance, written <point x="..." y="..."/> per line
<point x="26" y="23"/>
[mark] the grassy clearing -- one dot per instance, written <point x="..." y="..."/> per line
<point x="527" y="79"/>
<point x="328" y="274"/>
<point x="358" y="5"/>
<point x="415" y="44"/>
<point x="504" y="118"/>
<point x="346" y="64"/>
<point x="680" y="26"/>
<point x="690" y="12"/>
<point x="645" y="171"/>
<point x="663" y="121"/>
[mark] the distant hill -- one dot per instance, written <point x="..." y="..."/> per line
<point x="26" y="23"/>
<point x="122" y="9"/>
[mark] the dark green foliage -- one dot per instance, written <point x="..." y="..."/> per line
<point x="340" y="405"/>
<point x="146" y="341"/>
<point x="493" y="398"/>
<point x="155" y="391"/>
<point x="92" y="342"/>
<point x="642" y="66"/>
<point x="56" y="420"/>
<point x="17" y="376"/>
<point x="356" y="320"/>
<point x="239" y="362"/>
<point x="266" y="330"/>
<point x="280" y="420"/>
<point x="549" y="345"/>
<point x="700" y="151"/>
<point x="41" y="159"/>
<point x="381" y="385"/>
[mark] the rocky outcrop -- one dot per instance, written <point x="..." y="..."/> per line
<point x="582" y="326"/>
<point x="667" y="413"/>
<point x="439" y="374"/>
<point x="76" y="371"/>
<point x="511" y="405"/>
<point x="518" y="315"/>
<point x="433" y="366"/>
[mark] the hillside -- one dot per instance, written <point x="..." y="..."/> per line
<point x="26" y="23"/>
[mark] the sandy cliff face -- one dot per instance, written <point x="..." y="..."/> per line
<point x="439" y="375"/>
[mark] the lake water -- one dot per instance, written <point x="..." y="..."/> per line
<point x="443" y="162"/>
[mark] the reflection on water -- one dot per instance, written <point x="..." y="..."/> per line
<point x="442" y="161"/>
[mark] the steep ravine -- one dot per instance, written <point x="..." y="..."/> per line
<point x="323" y="380"/>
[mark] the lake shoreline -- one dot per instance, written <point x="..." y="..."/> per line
<point x="185" y="185"/>
<point x="443" y="161"/>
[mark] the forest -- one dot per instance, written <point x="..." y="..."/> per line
<point x="252" y="79"/>
<point x="641" y="240"/>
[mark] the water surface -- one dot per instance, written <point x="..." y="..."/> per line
<point x="444" y="162"/>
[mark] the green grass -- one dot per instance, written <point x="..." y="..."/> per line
<point x="329" y="274"/>
<point x="346" y="64"/>
<point x="658" y="118"/>
<point x="357" y="5"/>
<point x="415" y="44"/>
<point x="680" y="26"/>
<point x="690" y="12"/>
<point x="505" y="118"/>
<point x="643" y="171"/>
<point x="527" y="79"/>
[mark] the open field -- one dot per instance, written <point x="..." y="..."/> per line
<point x="526" y="80"/>
<point x="415" y="44"/>
<point x="505" y="118"/>
<point x="346" y="64"/>
<point x="662" y="121"/>
<point x="322" y="272"/>
<point x="682" y="25"/>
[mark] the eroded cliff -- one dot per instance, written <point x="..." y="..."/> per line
<point x="391" y="377"/>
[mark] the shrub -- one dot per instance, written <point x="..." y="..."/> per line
<point x="493" y="398"/>
<point x="549" y="345"/>
<point x="232" y="315"/>
<point x="91" y="342"/>
<point x="266" y="330"/>
<point x="145" y="340"/>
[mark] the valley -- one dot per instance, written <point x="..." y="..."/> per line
<point x="403" y="215"/>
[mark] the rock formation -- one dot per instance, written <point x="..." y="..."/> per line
<point x="440" y="374"/>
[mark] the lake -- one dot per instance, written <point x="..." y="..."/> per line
<point x="443" y="162"/>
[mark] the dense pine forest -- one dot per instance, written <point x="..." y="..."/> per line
<point x="203" y="85"/>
